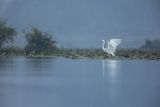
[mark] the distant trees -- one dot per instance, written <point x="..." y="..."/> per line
<point x="7" y="33"/>
<point x="38" y="42"/>
<point x="151" y="44"/>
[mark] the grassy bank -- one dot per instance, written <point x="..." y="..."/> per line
<point x="98" y="53"/>
<point x="86" y="53"/>
<point x="11" y="51"/>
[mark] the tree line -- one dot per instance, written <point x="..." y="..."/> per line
<point x="41" y="42"/>
<point x="37" y="41"/>
<point x="151" y="44"/>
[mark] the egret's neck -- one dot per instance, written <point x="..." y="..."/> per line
<point x="103" y="45"/>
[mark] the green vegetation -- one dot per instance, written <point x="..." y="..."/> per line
<point x="151" y="44"/>
<point x="11" y="51"/>
<point x="41" y="44"/>
<point x="7" y="33"/>
<point x="99" y="54"/>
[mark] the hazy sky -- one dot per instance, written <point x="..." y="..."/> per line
<point x="84" y="23"/>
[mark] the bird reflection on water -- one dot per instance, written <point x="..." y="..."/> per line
<point x="110" y="71"/>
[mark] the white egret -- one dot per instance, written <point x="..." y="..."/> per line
<point x="112" y="45"/>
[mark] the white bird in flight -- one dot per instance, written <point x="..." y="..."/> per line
<point x="112" y="45"/>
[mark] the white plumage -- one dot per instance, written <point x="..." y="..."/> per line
<point x="112" y="45"/>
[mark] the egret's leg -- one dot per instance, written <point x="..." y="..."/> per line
<point x="113" y="54"/>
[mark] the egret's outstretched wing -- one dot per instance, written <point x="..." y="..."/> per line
<point x="115" y="42"/>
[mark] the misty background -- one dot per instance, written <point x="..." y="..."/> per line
<point x="84" y="23"/>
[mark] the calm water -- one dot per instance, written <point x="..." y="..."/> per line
<point x="26" y="82"/>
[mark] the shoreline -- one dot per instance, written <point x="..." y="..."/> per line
<point x="130" y="54"/>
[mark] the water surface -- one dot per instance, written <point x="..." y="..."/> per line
<point x="58" y="82"/>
